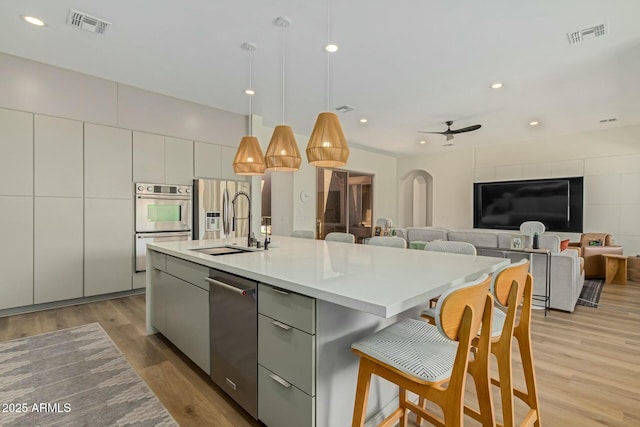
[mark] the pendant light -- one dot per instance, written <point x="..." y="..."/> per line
<point x="282" y="153"/>
<point x="249" y="159"/>
<point x="327" y="145"/>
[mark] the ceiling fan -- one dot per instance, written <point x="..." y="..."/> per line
<point x="450" y="132"/>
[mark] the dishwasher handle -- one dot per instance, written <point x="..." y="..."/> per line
<point x="223" y="285"/>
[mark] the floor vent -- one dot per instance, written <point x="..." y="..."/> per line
<point x="591" y="32"/>
<point x="87" y="22"/>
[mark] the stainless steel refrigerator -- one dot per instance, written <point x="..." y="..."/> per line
<point x="213" y="211"/>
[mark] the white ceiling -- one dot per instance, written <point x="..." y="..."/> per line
<point x="405" y="65"/>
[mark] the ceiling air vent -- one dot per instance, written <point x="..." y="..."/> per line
<point x="87" y="22"/>
<point x="345" y="108"/>
<point x="591" y="32"/>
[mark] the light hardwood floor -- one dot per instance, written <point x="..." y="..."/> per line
<point x="587" y="362"/>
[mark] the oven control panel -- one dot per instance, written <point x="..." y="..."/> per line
<point x="171" y="190"/>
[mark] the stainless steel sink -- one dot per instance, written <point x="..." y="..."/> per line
<point x="222" y="250"/>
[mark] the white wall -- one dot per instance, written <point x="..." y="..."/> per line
<point x="608" y="159"/>
<point x="289" y="212"/>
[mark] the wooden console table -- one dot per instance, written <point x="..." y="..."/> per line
<point x="615" y="269"/>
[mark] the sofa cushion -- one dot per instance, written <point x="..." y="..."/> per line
<point x="487" y="239"/>
<point x="426" y="234"/>
<point x="564" y="244"/>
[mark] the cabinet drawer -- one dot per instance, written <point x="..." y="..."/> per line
<point x="188" y="271"/>
<point x="158" y="260"/>
<point x="287" y="307"/>
<point x="288" y="352"/>
<point x="281" y="404"/>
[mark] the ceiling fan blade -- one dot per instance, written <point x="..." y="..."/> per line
<point x="439" y="133"/>
<point x="467" y="129"/>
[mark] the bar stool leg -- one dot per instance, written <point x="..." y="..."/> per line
<point x="503" y="355"/>
<point x="402" y="403"/>
<point x="531" y="396"/>
<point x="362" y="392"/>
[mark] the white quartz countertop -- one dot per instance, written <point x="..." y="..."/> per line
<point x="374" y="279"/>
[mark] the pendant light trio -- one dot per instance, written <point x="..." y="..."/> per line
<point x="327" y="145"/>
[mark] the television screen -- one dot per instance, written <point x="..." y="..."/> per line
<point x="557" y="203"/>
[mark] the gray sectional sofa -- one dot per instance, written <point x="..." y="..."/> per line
<point x="567" y="275"/>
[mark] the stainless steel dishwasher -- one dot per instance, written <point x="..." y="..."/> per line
<point x="234" y="337"/>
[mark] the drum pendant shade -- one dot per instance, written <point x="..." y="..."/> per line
<point x="249" y="159"/>
<point x="327" y="145"/>
<point x="282" y="153"/>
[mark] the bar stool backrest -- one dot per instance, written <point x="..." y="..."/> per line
<point x="503" y="279"/>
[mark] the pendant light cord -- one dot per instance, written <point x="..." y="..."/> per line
<point x="250" y="96"/>
<point x="284" y="63"/>
<point x="328" y="54"/>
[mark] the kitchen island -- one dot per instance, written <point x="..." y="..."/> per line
<point x="339" y="293"/>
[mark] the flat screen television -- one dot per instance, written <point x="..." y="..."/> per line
<point x="557" y="203"/>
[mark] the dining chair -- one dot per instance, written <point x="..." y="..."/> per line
<point x="510" y="286"/>
<point x="304" y="234"/>
<point x="390" y="241"/>
<point x="430" y="361"/>
<point x="340" y="237"/>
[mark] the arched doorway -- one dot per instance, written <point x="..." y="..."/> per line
<point x="416" y="199"/>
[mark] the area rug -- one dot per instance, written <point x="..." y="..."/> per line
<point x="73" y="377"/>
<point x="590" y="295"/>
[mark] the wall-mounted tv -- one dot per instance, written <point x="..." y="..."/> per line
<point x="557" y="203"/>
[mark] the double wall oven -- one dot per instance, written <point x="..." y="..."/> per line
<point x="163" y="214"/>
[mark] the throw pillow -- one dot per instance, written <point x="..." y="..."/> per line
<point x="564" y="245"/>
<point x="595" y="242"/>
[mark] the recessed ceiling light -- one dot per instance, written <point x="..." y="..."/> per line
<point x="423" y="142"/>
<point x="363" y="120"/>
<point x="250" y="91"/>
<point x="496" y="85"/>
<point x="331" y="48"/>
<point x="34" y="21"/>
<point x="534" y="123"/>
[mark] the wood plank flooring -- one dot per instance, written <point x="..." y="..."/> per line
<point x="587" y="362"/>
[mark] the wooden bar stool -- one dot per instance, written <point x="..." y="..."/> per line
<point x="510" y="286"/>
<point x="430" y="361"/>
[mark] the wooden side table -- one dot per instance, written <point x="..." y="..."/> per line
<point x="615" y="269"/>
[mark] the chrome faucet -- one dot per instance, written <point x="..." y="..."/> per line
<point x="233" y="221"/>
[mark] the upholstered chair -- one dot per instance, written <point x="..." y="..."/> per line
<point x="592" y="253"/>
<point x="390" y="241"/>
<point x="304" y="234"/>
<point x="340" y="237"/>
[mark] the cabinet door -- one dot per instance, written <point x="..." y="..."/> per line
<point x="178" y="161"/>
<point x="227" y="154"/>
<point x="148" y="158"/>
<point x="58" y="157"/>
<point x="206" y="159"/>
<point x="188" y="320"/>
<point x="158" y="300"/>
<point x="16" y="251"/>
<point x="107" y="162"/>
<point x="16" y="153"/>
<point x="108" y="246"/>
<point x="58" y="249"/>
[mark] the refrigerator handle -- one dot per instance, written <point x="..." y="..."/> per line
<point x="225" y="212"/>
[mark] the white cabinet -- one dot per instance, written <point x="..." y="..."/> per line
<point x="58" y="157"/>
<point x="206" y="160"/>
<point x="16" y="153"/>
<point x="148" y="158"/>
<point x="16" y="251"/>
<point x="108" y="253"/>
<point x="178" y="161"/>
<point x="107" y="157"/>
<point x="227" y="154"/>
<point x="58" y="237"/>
<point x="162" y="160"/>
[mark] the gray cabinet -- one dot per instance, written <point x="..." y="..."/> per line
<point x="206" y="160"/>
<point x="286" y="357"/>
<point x="58" y="250"/>
<point x="16" y="153"/>
<point x="148" y="158"/>
<point x="58" y="157"/>
<point x="108" y="253"/>
<point x="178" y="161"/>
<point x="107" y="162"/>
<point x="16" y="251"/>
<point x="227" y="154"/>
<point x="179" y="307"/>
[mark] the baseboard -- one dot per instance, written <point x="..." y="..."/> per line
<point x="66" y="303"/>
